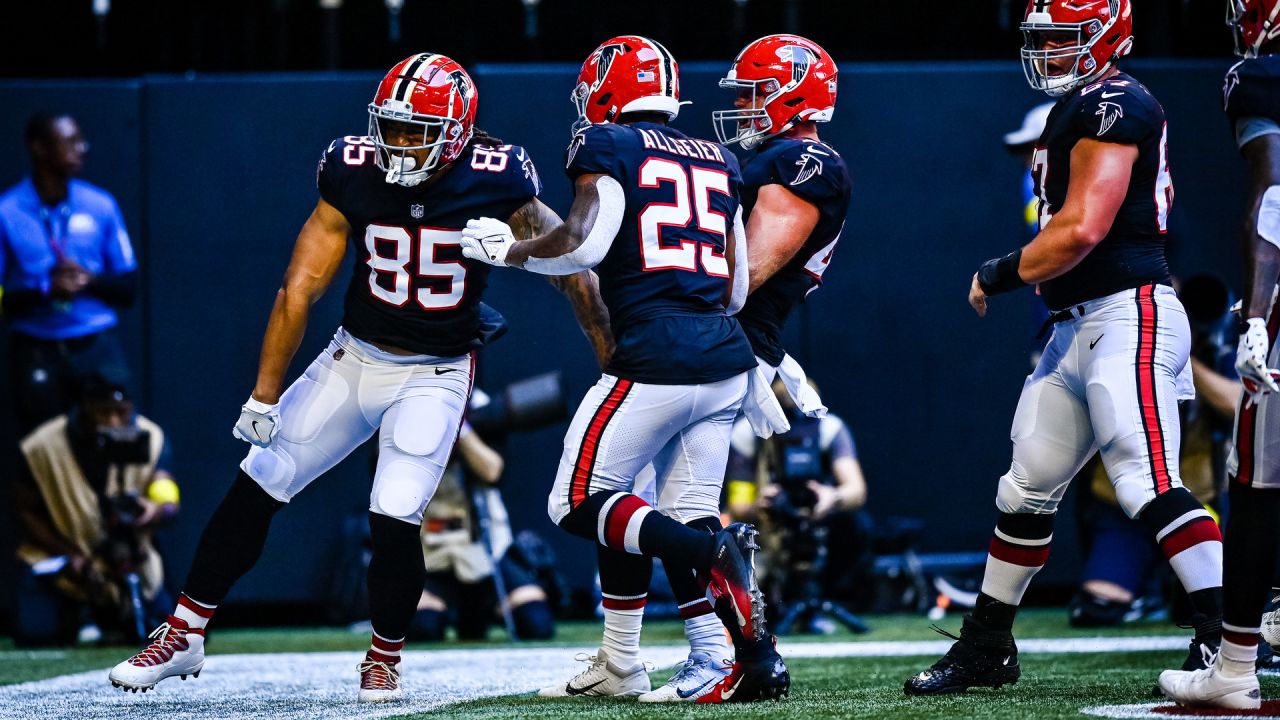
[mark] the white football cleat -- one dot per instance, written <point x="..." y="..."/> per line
<point x="1210" y="688"/>
<point x="696" y="678"/>
<point x="175" y="649"/>
<point x="602" y="679"/>
<point x="379" y="681"/>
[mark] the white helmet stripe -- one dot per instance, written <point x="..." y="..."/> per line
<point x="668" y="67"/>
<point x="414" y="73"/>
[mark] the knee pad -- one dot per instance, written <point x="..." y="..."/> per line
<point x="1016" y="495"/>
<point x="421" y="424"/>
<point x="272" y="469"/>
<point x="403" y="489"/>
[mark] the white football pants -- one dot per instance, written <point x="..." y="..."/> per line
<point x="1255" y="451"/>
<point x="1109" y="380"/>
<point x="621" y="426"/>
<point x="348" y="392"/>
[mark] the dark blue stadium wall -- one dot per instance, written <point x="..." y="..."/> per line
<point x="215" y="175"/>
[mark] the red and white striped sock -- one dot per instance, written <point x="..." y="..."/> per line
<point x="1192" y="543"/>
<point x="622" y="619"/>
<point x="384" y="650"/>
<point x="1239" y="650"/>
<point x="704" y="630"/>
<point x="1019" y="548"/>
<point x="195" y="614"/>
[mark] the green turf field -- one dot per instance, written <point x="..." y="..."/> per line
<point x="1053" y="685"/>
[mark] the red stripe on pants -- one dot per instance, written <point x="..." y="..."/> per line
<point x="1190" y="535"/>
<point x="1019" y="554"/>
<point x="581" y="481"/>
<point x="1147" y="388"/>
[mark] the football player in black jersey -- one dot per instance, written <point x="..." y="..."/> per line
<point x="400" y="365"/>
<point x="1111" y="376"/>
<point x="656" y="212"/>
<point x="1252" y="95"/>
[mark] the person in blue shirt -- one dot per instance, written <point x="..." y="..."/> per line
<point x="66" y="268"/>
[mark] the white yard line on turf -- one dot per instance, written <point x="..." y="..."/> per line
<point x="299" y="686"/>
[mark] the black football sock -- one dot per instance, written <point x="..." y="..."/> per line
<point x="232" y="542"/>
<point x="396" y="575"/>
<point x="993" y="614"/>
<point x="1249" y="560"/>
<point x="701" y="626"/>
<point x="623" y="522"/>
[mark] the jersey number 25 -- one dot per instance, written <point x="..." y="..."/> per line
<point x="697" y="183"/>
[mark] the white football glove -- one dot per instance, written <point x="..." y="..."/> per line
<point x="1251" y="361"/>
<point x="258" y="424"/>
<point x="488" y="241"/>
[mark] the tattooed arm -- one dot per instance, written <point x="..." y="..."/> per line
<point x="582" y="289"/>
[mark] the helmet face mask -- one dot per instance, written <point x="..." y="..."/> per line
<point x="1253" y="23"/>
<point x="421" y="117"/>
<point x="1064" y="48"/>
<point x="778" y="81"/>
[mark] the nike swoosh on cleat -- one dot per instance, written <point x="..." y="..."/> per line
<point x="729" y="693"/>
<point x="569" y="688"/>
<point x="686" y="695"/>
<point x="441" y="371"/>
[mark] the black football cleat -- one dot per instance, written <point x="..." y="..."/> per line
<point x="979" y="658"/>
<point x="733" y="582"/>
<point x="758" y="674"/>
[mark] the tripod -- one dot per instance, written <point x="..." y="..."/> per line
<point x="806" y="574"/>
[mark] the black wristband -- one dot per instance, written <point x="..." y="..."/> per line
<point x="1000" y="275"/>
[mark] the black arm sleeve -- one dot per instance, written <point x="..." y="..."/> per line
<point x="117" y="290"/>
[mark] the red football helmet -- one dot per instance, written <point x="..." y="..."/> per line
<point x="1088" y="37"/>
<point x="1254" y="23"/>
<point x="790" y="79"/>
<point x="426" y="106"/>
<point x="626" y="74"/>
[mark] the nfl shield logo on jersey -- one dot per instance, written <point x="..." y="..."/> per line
<point x="416" y="211"/>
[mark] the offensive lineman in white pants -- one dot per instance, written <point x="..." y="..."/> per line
<point x="1253" y="469"/>
<point x="400" y="365"/>
<point x="1117" y="364"/>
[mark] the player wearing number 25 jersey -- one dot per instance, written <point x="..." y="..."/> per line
<point x="1111" y="376"/>
<point x="400" y="365"/>
<point x="657" y="214"/>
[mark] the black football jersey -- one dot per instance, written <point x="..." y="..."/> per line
<point x="1118" y="110"/>
<point x="411" y="287"/>
<point x="1252" y="89"/>
<point x="814" y="171"/>
<point x="666" y="275"/>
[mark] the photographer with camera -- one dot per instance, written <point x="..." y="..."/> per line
<point x="92" y="488"/>
<point x="466" y="534"/>
<point x="805" y="490"/>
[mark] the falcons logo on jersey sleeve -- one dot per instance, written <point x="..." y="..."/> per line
<point x="810" y="164"/>
<point x="1110" y="112"/>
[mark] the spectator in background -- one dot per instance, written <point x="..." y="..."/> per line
<point x="93" y="486"/>
<point x="1121" y="561"/>
<point x="66" y="267"/>
<point x="804" y="489"/>
<point x="459" y="557"/>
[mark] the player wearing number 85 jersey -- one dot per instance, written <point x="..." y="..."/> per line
<point x="657" y="214"/>
<point x="400" y="365"/>
<point x="1111" y="376"/>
